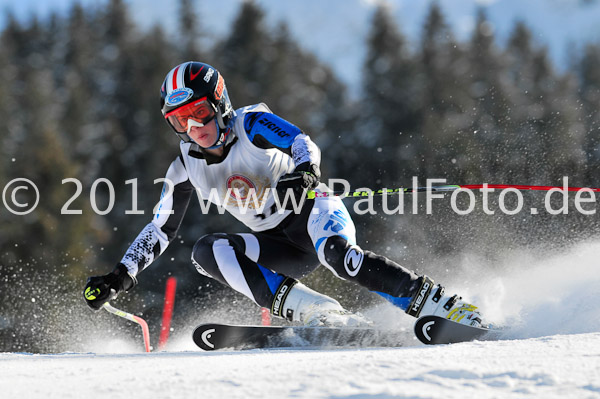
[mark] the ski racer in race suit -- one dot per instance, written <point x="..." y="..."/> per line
<point x="230" y="156"/>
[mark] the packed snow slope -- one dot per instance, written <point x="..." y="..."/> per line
<point x="560" y="366"/>
<point x="550" y="349"/>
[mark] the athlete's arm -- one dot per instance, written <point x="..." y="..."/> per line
<point x="156" y="236"/>
<point x="267" y="130"/>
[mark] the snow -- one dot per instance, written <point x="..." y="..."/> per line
<point x="560" y="366"/>
<point x="551" y="350"/>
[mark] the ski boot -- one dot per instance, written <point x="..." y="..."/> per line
<point x="313" y="309"/>
<point x="431" y="300"/>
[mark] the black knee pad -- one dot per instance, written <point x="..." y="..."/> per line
<point x="202" y="254"/>
<point x="344" y="258"/>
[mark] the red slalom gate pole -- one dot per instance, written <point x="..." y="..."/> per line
<point x="526" y="188"/>
<point x="311" y="194"/>
<point x="167" y="312"/>
<point x="265" y="316"/>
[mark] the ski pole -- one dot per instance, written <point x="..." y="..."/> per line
<point x="135" y="319"/>
<point x="311" y="194"/>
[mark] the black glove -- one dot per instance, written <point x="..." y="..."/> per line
<point x="305" y="177"/>
<point x="101" y="289"/>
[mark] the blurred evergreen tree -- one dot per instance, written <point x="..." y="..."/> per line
<point x="35" y="150"/>
<point x="40" y="252"/>
<point x="300" y="88"/>
<point x="565" y="146"/>
<point x="389" y="106"/>
<point x="526" y="152"/>
<point x="443" y="76"/>
<point x="489" y="111"/>
<point x="245" y="56"/>
<point x="189" y="31"/>
<point x="78" y="80"/>
<point x="545" y="115"/>
<point x="589" y="92"/>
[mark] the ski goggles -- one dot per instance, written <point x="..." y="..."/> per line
<point x="200" y="110"/>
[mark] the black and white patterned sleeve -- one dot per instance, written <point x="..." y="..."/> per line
<point x="168" y="214"/>
<point x="305" y="150"/>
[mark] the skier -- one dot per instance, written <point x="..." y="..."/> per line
<point x="251" y="151"/>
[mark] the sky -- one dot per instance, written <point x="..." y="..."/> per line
<point x="336" y="30"/>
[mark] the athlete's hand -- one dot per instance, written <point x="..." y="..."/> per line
<point x="305" y="177"/>
<point x="101" y="289"/>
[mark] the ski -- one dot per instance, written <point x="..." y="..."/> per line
<point x="432" y="330"/>
<point x="226" y="336"/>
